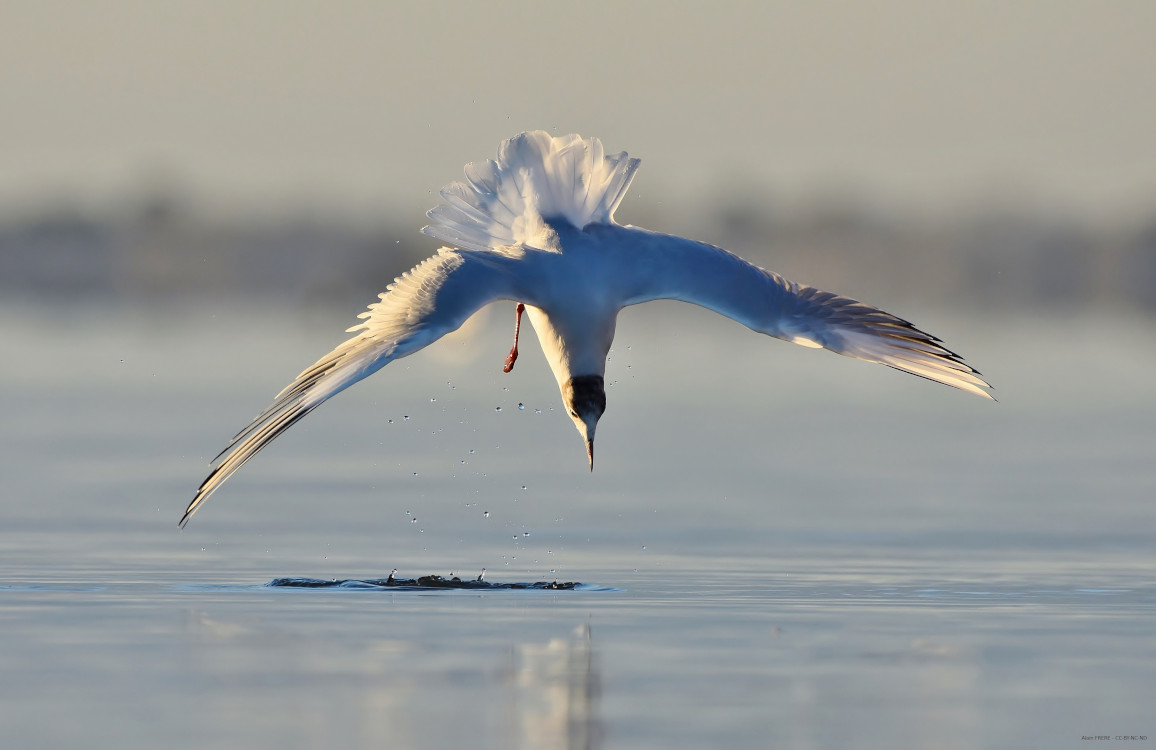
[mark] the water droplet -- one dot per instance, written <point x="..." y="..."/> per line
<point x="521" y="406"/>
<point x="486" y="514"/>
<point x="432" y="399"/>
<point x="497" y="408"/>
<point x="525" y="533"/>
<point x="644" y="546"/>
<point x="471" y="451"/>
<point x="415" y="473"/>
<point x="407" y="418"/>
<point x="407" y="512"/>
<point x="391" y="421"/>
<point x="523" y="488"/>
<point x="537" y="411"/>
<point x="413" y="520"/>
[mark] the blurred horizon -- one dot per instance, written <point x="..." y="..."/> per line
<point x="167" y="249"/>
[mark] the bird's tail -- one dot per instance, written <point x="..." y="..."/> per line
<point x="536" y="178"/>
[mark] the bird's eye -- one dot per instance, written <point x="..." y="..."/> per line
<point x="573" y="413"/>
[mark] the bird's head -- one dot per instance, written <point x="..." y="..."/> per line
<point x="585" y="399"/>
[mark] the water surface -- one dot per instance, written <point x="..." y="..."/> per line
<point x="780" y="548"/>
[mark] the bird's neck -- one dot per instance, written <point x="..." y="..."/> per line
<point x="574" y="345"/>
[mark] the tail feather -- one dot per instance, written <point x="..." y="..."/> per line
<point x="617" y="182"/>
<point x="535" y="178"/>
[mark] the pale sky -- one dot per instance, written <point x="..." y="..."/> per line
<point x="359" y="105"/>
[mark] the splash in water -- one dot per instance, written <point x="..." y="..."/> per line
<point x="421" y="583"/>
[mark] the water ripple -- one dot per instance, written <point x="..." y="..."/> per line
<point x="432" y="583"/>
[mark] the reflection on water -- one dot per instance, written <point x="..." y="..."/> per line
<point x="396" y="693"/>
<point x="554" y="694"/>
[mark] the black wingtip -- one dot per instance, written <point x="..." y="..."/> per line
<point x="188" y="514"/>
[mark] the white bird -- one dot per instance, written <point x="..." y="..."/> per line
<point x="537" y="227"/>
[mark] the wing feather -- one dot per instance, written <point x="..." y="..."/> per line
<point x="420" y="307"/>
<point x="675" y="268"/>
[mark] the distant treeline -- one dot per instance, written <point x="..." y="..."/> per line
<point x="165" y="251"/>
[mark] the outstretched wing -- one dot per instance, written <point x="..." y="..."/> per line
<point x="669" y="267"/>
<point x="418" y="308"/>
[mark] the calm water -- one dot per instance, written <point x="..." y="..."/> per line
<point x="783" y="548"/>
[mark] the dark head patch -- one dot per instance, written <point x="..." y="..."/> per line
<point x="585" y="394"/>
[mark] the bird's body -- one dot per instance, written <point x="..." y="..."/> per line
<point x="536" y="227"/>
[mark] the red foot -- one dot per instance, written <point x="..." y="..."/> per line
<point x="512" y="357"/>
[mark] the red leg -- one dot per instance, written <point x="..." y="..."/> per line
<point x="512" y="357"/>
